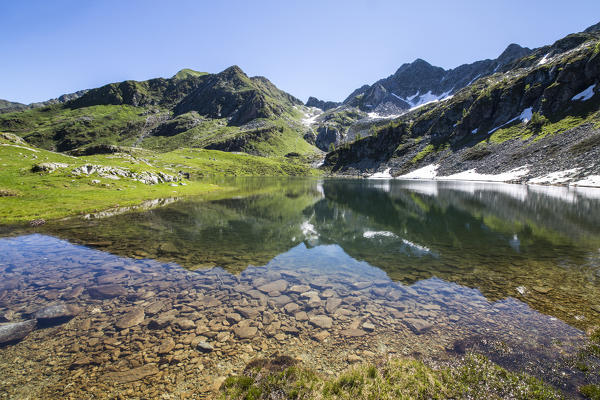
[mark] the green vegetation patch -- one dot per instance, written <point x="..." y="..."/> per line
<point x="423" y="153"/>
<point x="477" y="152"/>
<point x="62" y="128"/>
<point x="590" y="391"/>
<point x="203" y="163"/>
<point x="517" y="131"/>
<point x="565" y="124"/>
<point x="186" y="73"/>
<point x="475" y="378"/>
<point x="429" y="149"/>
<point x="58" y="193"/>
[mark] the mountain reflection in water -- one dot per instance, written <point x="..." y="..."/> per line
<point x="538" y="244"/>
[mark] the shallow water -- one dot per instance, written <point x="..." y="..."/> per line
<point x="329" y="271"/>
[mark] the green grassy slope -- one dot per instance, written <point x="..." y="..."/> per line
<point x="27" y="195"/>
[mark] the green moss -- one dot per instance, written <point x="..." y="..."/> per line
<point x="423" y="153"/>
<point x="590" y="391"/>
<point x="517" y="131"/>
<point x="565" y="124"/>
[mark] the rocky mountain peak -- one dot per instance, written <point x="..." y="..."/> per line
<point x="593" y="28"/>
<point x="232" y="71"/>
<point x="322" y="104"/>
<point x="511" y="53"/>
<point x="419" y="65"/>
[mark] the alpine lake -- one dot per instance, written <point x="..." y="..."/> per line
<point x="167" y="302"/>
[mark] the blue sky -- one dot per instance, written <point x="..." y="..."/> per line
<point x="321" y="48"/>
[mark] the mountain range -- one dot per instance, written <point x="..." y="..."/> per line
<point x="529" y="111"/>
<point x="536" y="119"/>
<point x="225" y="111"/>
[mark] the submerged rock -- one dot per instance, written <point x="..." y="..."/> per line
<point x="353" y="332"/>
<point x="155" y="308"/>
<point x="332" y="303"/>
<point x="367" y="326"/>
<point x="418" y="326"/>
<point x="132" y="318"/>
<point x="276" y="286"/>
<point x="166" y="346"/>
<point x="542" y="289"/>
<point x="107" y="291"/>
<point x="321" y="321"/>
<point x="185" y="324"/>
<point x="161" y="321"/>
<point x="16" y="331"/>
<point x="204" y="347"/>
<point x="56" y="314"/>
<point x="131" y="375"/>
<point x="245" y="332"/>
<point x="9" y="284"/>
<point x="74" y="293"/>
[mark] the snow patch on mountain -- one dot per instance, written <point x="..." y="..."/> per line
<point x="476" y="77"/>
<point x="555" y="177"/>
<point x="473" y="175"/>
<point x="585" y="95"/>
<point x="544" y="60"/>
<point x="374" y="115"/>
<point x="427" y="172"/>
<point x="524" y="117"/>
<point x="310" y="116"/>
<point x="591" y="180"/>
<point x="382" y="175"/>
<point x="419" y="100"/>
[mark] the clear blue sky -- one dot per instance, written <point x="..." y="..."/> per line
<point x="321" y="48"/>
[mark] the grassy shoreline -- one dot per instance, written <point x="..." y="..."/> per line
<point x="475" y="377"/>
<point x="26" y="194"/>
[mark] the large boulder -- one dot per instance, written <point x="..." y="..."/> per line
<point x="56" y="314"/>
<point x="16" y="331"/>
